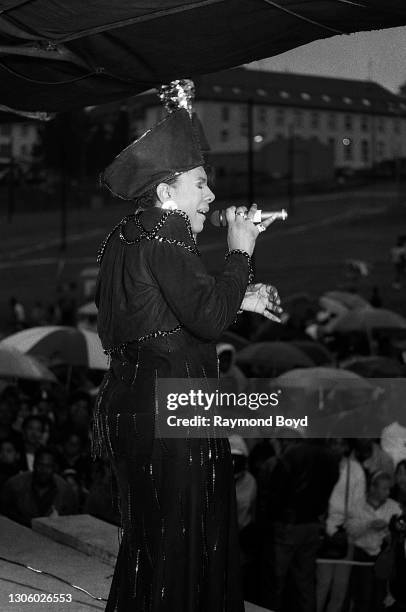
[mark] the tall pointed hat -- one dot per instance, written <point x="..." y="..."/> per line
<point x="169" y="148"/>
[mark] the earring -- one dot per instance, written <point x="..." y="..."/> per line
<point x="169" y="205"/>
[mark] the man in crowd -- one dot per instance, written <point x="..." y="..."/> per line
<point x="38" y="493"/>
<point x="33" y="430"/>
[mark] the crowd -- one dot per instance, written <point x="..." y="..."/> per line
<point x="322" y="522"/>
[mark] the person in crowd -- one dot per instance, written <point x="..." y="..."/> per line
<point x="393" y="438"/>
<point x="18" y="318"/>
<point x="368" y="528"/>
<point x="38" y="493"/>
<point x="372" y="457"/>
<point x="246" y="493"/>
<point x="80" y="413"/>
<point x="232" y="377"/>
<point x="398" y="256"/>
<point x="348" y="493"/>
<point x="9" y="460"/>
<point x="33" y="432"/>
<point x="398" y="492"/>
<point x="74" y="457"/>
<point x="301" y="484"/>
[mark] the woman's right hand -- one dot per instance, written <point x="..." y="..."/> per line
<point x="242" y="232"/>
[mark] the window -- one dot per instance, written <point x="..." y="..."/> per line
<point x="348" y="122"/>
<point x="298" y="118"/>
<point x="365" y="151"/>
<point x="224" y="135"/>
<point x="381" y="124"/>
<point x="225" y="113"/>
<point x="348" y="150"/>
<point x="261" y="114"/>
<point x="332" y="121"/>
<point x="5" y="149"/>
<point x="315" y="120"/>
<point x="280" y="116"/>
<point x="364" y="123"/>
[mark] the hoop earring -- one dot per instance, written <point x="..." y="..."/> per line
<point x="169" y="205"/>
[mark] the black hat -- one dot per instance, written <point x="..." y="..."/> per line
<point x="170" y="147"/>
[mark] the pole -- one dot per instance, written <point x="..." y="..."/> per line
<point x="11" y="190"/>
<point x="291" y="170"/>
<point x="250" y="160"/>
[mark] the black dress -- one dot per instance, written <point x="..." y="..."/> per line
<point x="160" y="314"/>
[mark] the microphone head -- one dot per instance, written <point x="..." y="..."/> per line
<point x="217" y="218"/>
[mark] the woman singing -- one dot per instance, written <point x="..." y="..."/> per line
<point x="160" y="314"/>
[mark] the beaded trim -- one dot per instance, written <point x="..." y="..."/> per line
<point x="250" y="269"/>
<point x="149" y="336"/>
<point x="152" y="234"/>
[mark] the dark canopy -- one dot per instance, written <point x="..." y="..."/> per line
<point x="61" y="54"/>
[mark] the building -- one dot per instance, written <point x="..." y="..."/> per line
<point x="358" y="123"/>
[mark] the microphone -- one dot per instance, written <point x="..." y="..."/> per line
<point x="218" y="217"/>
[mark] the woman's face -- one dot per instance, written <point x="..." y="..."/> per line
<point x="193" y="196"/>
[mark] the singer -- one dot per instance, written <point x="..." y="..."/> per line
<point x="159" y="315"/>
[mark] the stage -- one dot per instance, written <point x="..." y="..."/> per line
<point x="80" y="549"/>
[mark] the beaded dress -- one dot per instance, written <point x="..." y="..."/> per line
<point x="159" y="315"/>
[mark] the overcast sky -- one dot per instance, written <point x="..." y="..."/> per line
<point x="379" y="55"/>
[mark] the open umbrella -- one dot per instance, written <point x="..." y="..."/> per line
<point x="333" y="306"/>
<point x="349" y="300"/>
<point x="15" y="364"/>
<point x="317" y="352"/>
<point x="322" y="378"/>
<point x="61" y="54"/>
<point x="69" y="345"/>
<point x="271" y="358"/>
<point x="375" y="366"/>
<point x="367" y="319"/>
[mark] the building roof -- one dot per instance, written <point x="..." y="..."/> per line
<point x="301" y="90"/>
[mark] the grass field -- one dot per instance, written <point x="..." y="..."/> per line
<point x="304" y="254"/>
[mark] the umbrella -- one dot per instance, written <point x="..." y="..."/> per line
<point x="69" y="345"/>
<point x="333" y="306"/>
<point x="350" y="300"/>
<point x="375" y="366"/>
<point x="15" y="364"/>
<point x="272" y="358"/>
<point x="322" y="378"/>
<point x="366" y="319"/>
<point x="58" y="55"/>
<point x="317" y="352"/>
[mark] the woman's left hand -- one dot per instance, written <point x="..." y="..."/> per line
<point x="264" y="300"/>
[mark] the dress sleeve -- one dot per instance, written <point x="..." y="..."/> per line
<point x="205" y="305"/>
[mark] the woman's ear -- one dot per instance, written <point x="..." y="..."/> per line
<point x="162" y="192"/>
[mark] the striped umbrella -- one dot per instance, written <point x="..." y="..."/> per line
<point x="69" y="345"/>
<point x="15" y="364"/>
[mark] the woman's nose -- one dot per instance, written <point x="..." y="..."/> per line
<point x="210" y="197"/>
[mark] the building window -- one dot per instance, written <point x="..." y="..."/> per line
<point x="347" y="149"/>
<point x="261" y="113"/>
<point x="298" y="118"/>
<point x="280" y="116"/>
<point x="332" y="121"/>
<point x="365" y="151"/>
<point x="348" y="122"/>
<point x="381" y="124"/>
<point x="5" y="129"/>
<point x="225" y="113"/>
<point x="224" y="135"/>
<point x="315" y="120"/>
<point x="364" y="123"/>
<point x="5" y="149"/>
<point x="380" y="149"/>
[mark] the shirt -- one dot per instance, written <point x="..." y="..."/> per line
<point x="393" y="441"/>
<point x="351" y="469"/>
<point x="358" y="525"/>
